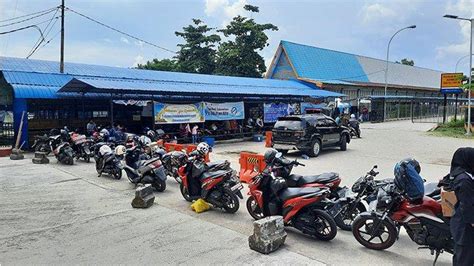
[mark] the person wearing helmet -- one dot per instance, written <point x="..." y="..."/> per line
<point x="462" y="222"/>
<point x="354" y="123"/>
<point x="270" y="155"/>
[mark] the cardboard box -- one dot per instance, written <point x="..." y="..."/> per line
<point x="448" y="200"/>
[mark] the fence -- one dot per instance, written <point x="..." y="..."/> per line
<point x="423" y="113"/>
<point x="6" y="134"/>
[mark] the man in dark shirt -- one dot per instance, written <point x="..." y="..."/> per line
<point x="462" y="222"/>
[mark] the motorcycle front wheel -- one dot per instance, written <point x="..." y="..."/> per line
<point x="230" y="201"/>
<point x="159" y="185"/>
<point x="380" y="238"/>
<point x="118" y="174"/>
<point x="253" y="209"/>
<point x="346" y="217"/>
<point x="184" y="192"/>
<point x="324" y="225"/>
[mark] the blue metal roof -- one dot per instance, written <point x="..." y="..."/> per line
<point x="41" y="79"/>
<point x="334" y="67"/>
<point x="322" y="64"/>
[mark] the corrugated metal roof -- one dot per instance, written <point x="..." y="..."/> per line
<point x="44" y="75"/>
<point x="166" y="87"/>
<point x="329" y="66"/>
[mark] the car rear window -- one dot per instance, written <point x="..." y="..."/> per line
<point x="289" y="124"/>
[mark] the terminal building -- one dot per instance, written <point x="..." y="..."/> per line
<point x="361" y="79"/>
<point x="137" y="98"/>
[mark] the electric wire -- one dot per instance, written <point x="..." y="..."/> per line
<point x="31" y="14"/>
<point x="37" y="44"/>
<point x="119" y="31"/>
<point x="27" y="19"/>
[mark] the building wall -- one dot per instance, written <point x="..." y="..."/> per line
<point x="283" y="69"/>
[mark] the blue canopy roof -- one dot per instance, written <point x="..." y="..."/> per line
<point x="41" y="79"/>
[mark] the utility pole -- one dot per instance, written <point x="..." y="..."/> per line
<point x="61" y="57"/>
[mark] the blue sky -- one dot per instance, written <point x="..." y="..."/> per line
<point x="358" y="26"/>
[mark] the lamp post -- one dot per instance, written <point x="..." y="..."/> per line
<point x="468" y="130"/>
<point x="386" y="70"/>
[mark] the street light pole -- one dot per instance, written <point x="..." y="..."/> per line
<point x="468" y="130"/>
<point x="386" y="70"/>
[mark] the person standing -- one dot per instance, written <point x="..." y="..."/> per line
<point x="462" y="222"/>
<point x="91" y="127"/>
<point x="194" y="133"/>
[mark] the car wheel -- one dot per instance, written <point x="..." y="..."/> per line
<point x="315" y="148"/>
<point x="343" y="143"/>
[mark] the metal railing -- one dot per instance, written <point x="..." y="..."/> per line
<point x="435" y="113"/>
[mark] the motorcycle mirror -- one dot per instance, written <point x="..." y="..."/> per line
<point x="278" y="155"/>
<point x="375" y="166"/>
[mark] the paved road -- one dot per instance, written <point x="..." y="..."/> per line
<point x="66" y="214"/>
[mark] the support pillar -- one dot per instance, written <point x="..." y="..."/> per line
<point x="20" y="106"/>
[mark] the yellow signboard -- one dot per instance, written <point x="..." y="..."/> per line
<point x="451" y="80"/>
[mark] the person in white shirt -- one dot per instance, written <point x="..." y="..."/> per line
<point x="194" y="133"/>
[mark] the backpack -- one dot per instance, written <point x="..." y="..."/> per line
<point x="409" y="181"/>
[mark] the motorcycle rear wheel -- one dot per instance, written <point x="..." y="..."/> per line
<point x="87" y="158"/>
<point x="326" y="228"/>
<point x="118" y="175"/>
<point x="253" y="209"/>
<point x="344" y="220"/>
<point x="184" y="192"/>
<point x="230" y="201"/>
<point x="364" y="226"/>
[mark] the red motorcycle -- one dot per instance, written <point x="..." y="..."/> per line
<point x="216" y="183"/>
<point x="302" y="208"/>
<point x="422" y="219"/>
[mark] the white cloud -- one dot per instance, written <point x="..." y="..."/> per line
<point x="139" y="43"/>
<point x="461" y="8"/>
<point x="376" y="11"/>
<point x="138" y="60"/>
<point x="225" y="9"/>
<point x="124" y="40"/>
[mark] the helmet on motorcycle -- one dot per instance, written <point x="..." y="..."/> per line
<point x="150" y="134"/>
<point x="270" y="155"/>
<point x="400" y="168"/>
<point x="120" y="150"/>
<point x="105" y="149"/>
<point x="353" y="116"/>
<point x="144" y="140"/>
<point x="202" y="148"/>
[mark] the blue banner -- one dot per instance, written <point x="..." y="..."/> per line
<point x="272" y="111"/>
<point x="224" y="111"/>
<point x="305" y="105"/>
<point x="178" y="113"/>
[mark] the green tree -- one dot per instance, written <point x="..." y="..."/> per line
<point x="239" y="56"/>
<point x="197" y="54"/>
<point x="406" y="61"/>
<point x="162" y="65"/>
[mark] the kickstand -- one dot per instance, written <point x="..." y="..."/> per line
<point x="436" y="257"/>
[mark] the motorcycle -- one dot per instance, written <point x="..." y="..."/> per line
<point x="42" y="144"/>
<point x="172" y="161"/>
<point x="109" y="162"/>
<point x="218" y="184"/>
<point x="354" y="128"/>
<point x="302" y="208"/>
<point x="140" y="169"/>
<point x="81" y="146"/>
<point x="62" y="151"/>
<point x="282" y="167"/>
<point x="423" y="220"/>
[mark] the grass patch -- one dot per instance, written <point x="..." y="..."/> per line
<point x="453" y="129"/>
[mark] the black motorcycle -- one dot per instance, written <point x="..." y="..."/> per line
<point x="354" y="128"/>
<point x="107" y="161"/>
<point x="142" y="170"/>
<point x="172" y="161"/>
<point x="62" y="151"/>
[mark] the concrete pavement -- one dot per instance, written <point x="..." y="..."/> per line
<point x="58" y="214"/>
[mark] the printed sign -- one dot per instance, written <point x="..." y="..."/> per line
<point x="451" y="80"/>
<point x="224" y="111"/>
<point x="178" y="113"/>
<point x="272" y="111"/>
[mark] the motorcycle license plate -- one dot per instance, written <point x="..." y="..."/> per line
<point x="335" y="209"/>
<point x="237" y="187"/>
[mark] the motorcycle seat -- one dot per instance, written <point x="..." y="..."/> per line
<point x="299" y="180"/>
<point x="290" y="193"/>
<point x="432" y="189"/>
<point x="213" y="174"/>
<point x="150" y="161"/>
